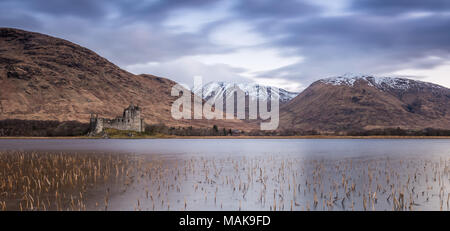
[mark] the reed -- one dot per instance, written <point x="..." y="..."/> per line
<point x="32" y="181"/>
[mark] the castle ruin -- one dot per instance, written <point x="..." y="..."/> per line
<point x="130" y="121"/>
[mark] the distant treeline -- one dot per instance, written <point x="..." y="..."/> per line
<point x="15" y="127"/>
<point x="188" y="131"/>
<point x="401" y="132"/>
<point x="49" y="128"/>
<point x="217" y="131"/>
<point x="374" y="132"/>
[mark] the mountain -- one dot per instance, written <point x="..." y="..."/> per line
<point x="214" y="89"/>
<point x="364" y="102"/>
<point x="47" y="78"/>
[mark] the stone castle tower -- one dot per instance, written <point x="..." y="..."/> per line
<point x="131" y="121"/>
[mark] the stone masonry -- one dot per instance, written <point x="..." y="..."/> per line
<point x="130" y="121"/>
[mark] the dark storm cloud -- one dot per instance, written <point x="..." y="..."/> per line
<point x="400" y="6"/>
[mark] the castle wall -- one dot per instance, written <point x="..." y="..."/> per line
<point x="124" y="124"/>
<point x="130" y="121"/>
<point x="96" y="125"/>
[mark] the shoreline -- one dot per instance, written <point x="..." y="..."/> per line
<point x="233" y="137"/>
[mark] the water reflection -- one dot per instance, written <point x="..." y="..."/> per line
<point x="263" y="174"/>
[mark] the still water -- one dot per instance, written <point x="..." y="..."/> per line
<point x="259" y="174"/>
<point x="327" y="148"/>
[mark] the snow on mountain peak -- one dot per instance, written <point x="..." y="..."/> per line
<point x="213" y="89"/>
<point x="349" y="79"/>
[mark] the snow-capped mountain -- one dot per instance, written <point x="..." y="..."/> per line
<point x="379" y="82"/>
<point x="214" y="89"/>
<point x="364" y="102"/>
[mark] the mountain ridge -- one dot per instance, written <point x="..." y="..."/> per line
<point x="378" y="81"/>
<point x="215" y="88"/>
<point x="47" y="78"/>
<point x="346" y="103"/>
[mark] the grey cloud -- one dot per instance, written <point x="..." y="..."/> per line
<point x="263" y="9"/>
<point x="155" y="11"/>
<point x="400" y="6"/>
<point x="126" y="32"/>
<point x="83" y="8"/>
<point x="185" y="70"/>
<point x="368" y="37"/>
<point x="127" y="9"/>
<point x="361" y="43"/>
<point x="80" y="8"/>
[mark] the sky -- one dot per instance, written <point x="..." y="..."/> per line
<point x="287" y="44"/>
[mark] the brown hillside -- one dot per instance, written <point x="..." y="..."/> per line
<point x="46" y="78"/>
<point x="343" y="104"/>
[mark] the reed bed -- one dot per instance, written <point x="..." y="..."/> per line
<point x="95" y="181"/>
<point x="32" y="181"/>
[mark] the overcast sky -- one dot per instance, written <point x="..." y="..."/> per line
<point x="288" y="44"/>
